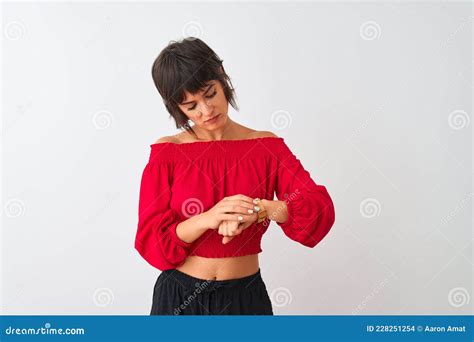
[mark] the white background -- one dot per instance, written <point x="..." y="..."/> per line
<point x="373" y="98"/>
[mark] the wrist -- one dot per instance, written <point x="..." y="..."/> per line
<point x="271" y="207"/>
<point x="201" y="220"/>
<point x="261" y="210"/>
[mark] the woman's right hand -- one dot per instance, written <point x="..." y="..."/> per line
<point x="229" y="208"/>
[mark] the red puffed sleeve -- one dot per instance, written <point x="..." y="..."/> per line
<point x="156" y="239"/>
<point x="310" y="208"/>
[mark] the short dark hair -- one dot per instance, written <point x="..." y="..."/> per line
<point x="188" y="65"/>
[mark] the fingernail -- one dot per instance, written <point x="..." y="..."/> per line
<point x="250" y="211"/>
<point x="240" y="218"/>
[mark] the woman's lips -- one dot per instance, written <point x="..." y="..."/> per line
<point x="213" y="119"/>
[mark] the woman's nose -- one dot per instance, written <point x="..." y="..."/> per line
<point x="205" y="108"/>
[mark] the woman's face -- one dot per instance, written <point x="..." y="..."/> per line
<point x="209" y="103"/>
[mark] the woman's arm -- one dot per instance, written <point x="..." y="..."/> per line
<point x="191" y="229"/>
<point x="309" y="207"/>
<point x="276" y="210"/>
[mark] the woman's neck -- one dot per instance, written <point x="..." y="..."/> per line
<point x="228" y="131"/>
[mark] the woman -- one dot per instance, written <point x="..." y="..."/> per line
<point x="206" y="194"/>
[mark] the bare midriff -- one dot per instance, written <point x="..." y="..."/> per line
<point x="220" y="268"/>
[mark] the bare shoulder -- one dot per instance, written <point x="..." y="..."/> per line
<point x="167" y="139"/>
<point x="264" y="134"/>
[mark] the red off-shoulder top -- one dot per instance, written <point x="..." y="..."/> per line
<point x="182" y="180"/>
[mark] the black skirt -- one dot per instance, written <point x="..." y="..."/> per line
<point x="177" y="293"/>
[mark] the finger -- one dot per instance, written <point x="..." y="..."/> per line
<point x="236" y="205"/>
<point x="237" y="209"/>
<point x="233" y="227"/>
<point x="233" y="231"/>
<point x="241" y="203"/>
<point x="245" y="198"/>
<point x="227" y="239"/>
<point x="237" y="231"/>
<point x="221" y="229"/>
<point x="240" y="197"/>
<point x="232" y="217"/>
<point x="226" y="230"/>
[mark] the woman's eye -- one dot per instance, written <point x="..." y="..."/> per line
<point x="212" y="95"/>
<point x="208" y="96"/>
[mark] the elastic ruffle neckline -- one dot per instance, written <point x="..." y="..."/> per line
<point x="216" y="148"/>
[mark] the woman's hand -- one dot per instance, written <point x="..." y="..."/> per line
<point x="230" y="229"/>
<point x="236" y="208"/>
